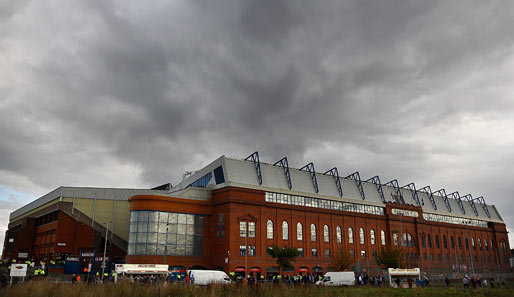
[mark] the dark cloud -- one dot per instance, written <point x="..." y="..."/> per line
<point x="110" y="93"/>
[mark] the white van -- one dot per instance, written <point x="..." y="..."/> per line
<point x="205" y="277"/>
<point x="338" y="278"/>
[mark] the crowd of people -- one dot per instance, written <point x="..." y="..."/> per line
<point x="474" y="282"/>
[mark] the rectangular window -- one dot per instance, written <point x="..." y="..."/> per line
<point x="352" y="253"/>
<point x="314" y="253"/>
<point x="425" y="256"/>
<point x="300" y="252"/>
<point x="242" y="250"/>
<point x="363" y="254"/>
<point x="327" y="253"/>
<point x="251" y="229"/>
<point x="220" y="217"/>
<point x="242" y="229"/>
<point x="251" y="250"/>
<point x="218" y="175"/>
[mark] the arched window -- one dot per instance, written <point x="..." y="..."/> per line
<point x="383" y="237"/>
<point x="395" y="238"/>
<point x="466" y="241"/>
<point x="445" y="243"/>
<point x="339" y="236"/>
<point x="350" y="235"/>
<point x="326" y="234"/>
<point x="486" y="246"/>
<point x="404" y="239"/>
<point x="372" y="236"/>
<point x="480" y="244"/>
<point x="452" y="241"/>
<point x="437" y="241"/>
<point x="361" y="235"/>
<point x="299" y="231"/>
<point x="429" y="240"/>
<point x="269" y="229"/>
<point x="423" y="243"/>
<point x="409" y="239"/>
<point x="473" y="242"/>
<point x="460" y="242"/>
<point x="313" y="232"/>
<point x="285" y="230"/>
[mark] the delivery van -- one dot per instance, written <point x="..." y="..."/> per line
<point x="338" y="278"/>
<point x="205" y="277"/>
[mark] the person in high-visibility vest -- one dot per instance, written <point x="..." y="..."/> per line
<point x="14" y="260"/>
<point x="42" y="272"/>
<point x="36" y="272"/>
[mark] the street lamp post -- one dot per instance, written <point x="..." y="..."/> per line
<point x="246" y="250"/>
<point x="166" y="246"/>
<point x="105" y="248"/>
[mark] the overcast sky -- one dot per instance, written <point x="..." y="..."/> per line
<point x="134" y="93"/>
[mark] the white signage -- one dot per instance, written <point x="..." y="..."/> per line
<point x="23" y="255"/>
<point x="18" y="270"/>
<point x="403" y="212"/>
<point x="403" y="271"/>
<point x="141" y="268"/>
<point x="61" y="244"/>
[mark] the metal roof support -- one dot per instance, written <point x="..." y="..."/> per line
<point x="376" y="180"/>
<point x="455" y="195"/>
<point x="283" y="162"/>
<point x="335" y="173"/>
<point x="255" y="159"/>
<point x="310" y="168"/>
<point x="357" y="178"/>
<point x="412" y="188"/>
<point x="428" y="191"/>
<point x="396" y="186"/>
<point x="472" y="203"/>
<point x="481" y="200"/>
<point x="442" y="193"/>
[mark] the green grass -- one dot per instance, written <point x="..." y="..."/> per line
<point x="126" y="289"/>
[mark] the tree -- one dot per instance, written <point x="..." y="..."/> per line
<point x="284" y="256"/>
<point x="391" y="256"/>
<point x="342" y="260"/>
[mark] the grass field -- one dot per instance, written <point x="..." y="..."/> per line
<point x="127" y="289"/>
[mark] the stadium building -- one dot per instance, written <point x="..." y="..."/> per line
<point x="225" y="215"/>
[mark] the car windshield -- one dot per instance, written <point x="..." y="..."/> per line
<point x="327" y="279"/>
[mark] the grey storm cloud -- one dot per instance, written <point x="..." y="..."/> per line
<point x="132" y="94"/>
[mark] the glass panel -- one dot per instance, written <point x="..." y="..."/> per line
<point x="181" y="218"/>
<point x="153" y="216"/>
<point x="189" y="251"/>
<point x="172" y="218"/>
<point x="163" y="217"/>
<point x="132" y="237"/>
<point x="190" y="219"/>
<point x="160" y="249"/>
<point x="153" y="227"/>
<point x="181" y="229"/>
<point x="161" y="239"/>
<point x="181" y="239"/>
<point x="162" y="227"/>
<point x="199" y="228"/>
<point x="150" y="249"/>
<point x="143" y="216"/>
<point x="172" y="228"/>
<point x="172" y="238"/>
<point x="181" y="250"/>
<point x="134" y="216"/>
<point x="142" y="227"/>
<point x="190" y="229"/>
<point x="172" y="249"/>
<point x="141" y="249"/>
<point x="131" y="249"/>
<point x="142" y="237"/>
<point x="199" y="220"/>
<point x="133" y="226"/>
<point x="152" y="237"/>
<point x="189" y="240"/>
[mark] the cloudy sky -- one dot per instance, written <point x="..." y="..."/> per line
<point x="132" y="94"/>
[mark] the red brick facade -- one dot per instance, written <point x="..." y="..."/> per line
<point x="240" y="204"/>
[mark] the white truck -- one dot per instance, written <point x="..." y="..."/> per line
<point x="337" y="278"/>
<point x="205" y="277"/>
